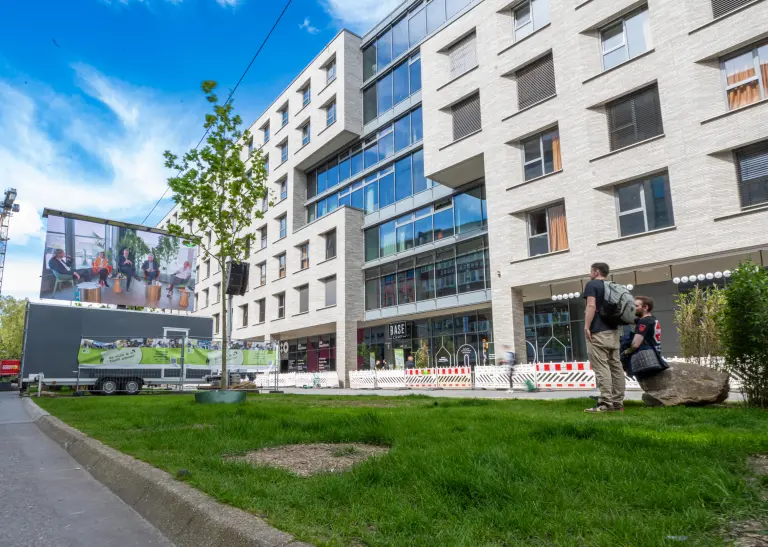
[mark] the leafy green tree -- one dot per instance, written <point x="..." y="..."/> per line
<point x="134" y="244"/>
<point x="745" y="330"/>
<point x="12" y="314"/>
<point x="697" y="316"/>
<point x="166" y="250"/>
<point x="217" y="191"/>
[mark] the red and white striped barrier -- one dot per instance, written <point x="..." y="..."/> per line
<point x="565" y="376"/>
<point x="421" y="378"/>
<point x="454" y="377"/>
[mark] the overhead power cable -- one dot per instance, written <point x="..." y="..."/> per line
<point x="229" y="98"/>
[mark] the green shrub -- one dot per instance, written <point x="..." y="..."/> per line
<point x="744" y="329"/>
<point x="697" y="318"/>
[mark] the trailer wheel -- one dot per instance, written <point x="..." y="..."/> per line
<point x="132" y="387"/>
<point x="107" y="387"/>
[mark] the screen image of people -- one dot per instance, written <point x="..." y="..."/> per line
<point x="103" y="262"/>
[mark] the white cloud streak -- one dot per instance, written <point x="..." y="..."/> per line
<point x="307" y="25"/>
<point x="359" y="15"/>
<point x="100" y="153"/>
<point x="227" y="3"/>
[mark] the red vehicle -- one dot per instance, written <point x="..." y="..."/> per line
<point x="9" y="367"/>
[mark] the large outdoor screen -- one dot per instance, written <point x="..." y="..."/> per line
<point x="108" y="262"/>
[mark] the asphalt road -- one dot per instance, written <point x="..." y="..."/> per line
<point x="46" y="499"/>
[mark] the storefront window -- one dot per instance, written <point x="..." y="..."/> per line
<point x="554" y="331"/>
<point x="445" y="274"/>
<point x="310" y="354"/>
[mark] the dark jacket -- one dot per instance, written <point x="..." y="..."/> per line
<point x="121" y="262"/>
<point x="155" y="265"/>
<point x="58" y="267"/>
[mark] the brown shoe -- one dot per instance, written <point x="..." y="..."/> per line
<point x="618" y="407"/>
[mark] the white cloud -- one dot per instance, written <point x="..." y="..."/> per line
<point x="227" y="3"/>
<point x="359" y="15"/>
<point x="306" y="25"/>
<point x="98" y="153"/>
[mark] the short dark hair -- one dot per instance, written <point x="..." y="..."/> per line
<point x="647" y="301"/>
<point x="601" y="267"/>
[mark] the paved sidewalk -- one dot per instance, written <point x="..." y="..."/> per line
<point x="48" y="500"/>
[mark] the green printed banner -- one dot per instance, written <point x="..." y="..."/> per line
<point x="167" y="352"/>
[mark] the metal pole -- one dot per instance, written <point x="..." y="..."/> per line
<point x="39" y="384"/>
<point x="183" y="351"/>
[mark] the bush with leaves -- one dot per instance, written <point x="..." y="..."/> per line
<point x="12" y="314"/>
<point x="697" y="315"/>
<point x="745" y="331"/>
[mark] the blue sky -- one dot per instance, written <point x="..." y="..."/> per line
<point x="94" y="91"/>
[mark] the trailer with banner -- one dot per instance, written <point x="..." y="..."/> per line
<point x="110" y="350"/>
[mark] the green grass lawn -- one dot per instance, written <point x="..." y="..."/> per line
<point x="460" y="472"/>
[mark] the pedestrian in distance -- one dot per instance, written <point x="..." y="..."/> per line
<point x="609" y="305"/>
<point x="509" y="361"/>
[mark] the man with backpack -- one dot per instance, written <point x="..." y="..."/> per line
<point x="609" y="306"/>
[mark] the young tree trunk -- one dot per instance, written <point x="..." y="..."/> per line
<point x="224" y="332"/>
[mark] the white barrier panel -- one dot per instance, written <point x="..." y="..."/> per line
<point x="390" y="379"/>
<point x="492" y="377"/>
<point x="362" y="379"/>
<point x="565" y="376"/>
<point x="421" y="378"/>
<point x="316" y="379"/>
<point x="523" y="374"/>
<point x="454" y="377"/>
<point x="267" y="381"/>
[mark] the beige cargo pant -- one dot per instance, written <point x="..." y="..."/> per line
<point x="609" y="374"/>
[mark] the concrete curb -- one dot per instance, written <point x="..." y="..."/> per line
<point x="186" y="516"/>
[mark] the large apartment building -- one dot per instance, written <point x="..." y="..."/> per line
<point x="445" y="181"/>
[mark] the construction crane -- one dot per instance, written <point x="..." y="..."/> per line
<point x="8" y="208"/>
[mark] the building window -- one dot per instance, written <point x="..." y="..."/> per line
<point x="265" y="129"/>
<point x="626" y="38"/>
<point x="330" y="114"/>
<point x="283" y="116"/>
<point x="247" y="250"/>
<point x="262" y="274"/>
<point x="266" y="163"/>
<point x="306" y="95"/>
<point x="244" y="315"/>
<point x="634" y="118"/>
<point x="283" y="226"/>
<point x="284" y="152"/>
<point x="746" y="77"/>
<point x="263" y="236"/>
<point x="262" y="307"/>
<point x="217" y="293"/>
<point x="280" y="305"/>
<point x="264" y="204"/>
<point x="547" y="230"/>
<point x="208" y="268"/>
<point x="536" y="82"/>
<point x="215" y="323"/>
<point x="281" y="266"/>
<point x="463" y="56"/>
<point x="303" y="298"/>
<point x="304" y="256"/>
<point x="196" y="301"/>
<point x="529" y="17"/>
<point x="752" y="167"/>
<point x="330" y="245"/>
<point x="721" y="7"/>
<point x="541" y="154"/>
<point x="369" y="61"/>
<point x="644" y="205"/>
<point x="206" y="298"/>
<point x="305" y="134"/>
<point x="197" y="272"/>
<point x="330" y="71"/>
<point x="330" y="291"/>
<point x="283" y="189"/>
<point x="466" y="117"/>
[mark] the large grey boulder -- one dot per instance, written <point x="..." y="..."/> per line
<point x="686" y="384"/>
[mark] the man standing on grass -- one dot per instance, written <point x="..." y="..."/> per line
<point x="603" y="344"/>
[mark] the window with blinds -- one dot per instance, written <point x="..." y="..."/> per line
<point x="752" y="167"/>
<point x="536" y="82"/>
<point x="463" y="56"/>
<point x="721" y="7"/>
<point x="634" y="118"/>
<point x="466" y="117"/>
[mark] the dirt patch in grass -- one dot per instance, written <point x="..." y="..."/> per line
<point x="754" y="533"/>
<point x="309" y="459"/>
<point x="759" y="465"/>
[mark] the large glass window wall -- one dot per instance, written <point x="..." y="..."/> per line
<point x="448" y="340"/>
<point x="377" y="148"/>
<point x="423" y="19"/>
<point x="378" y="190"/>
<point x="309" y="354"/>
<point x="554" y="331"/>
<point x="392" y="88"/>
<point x="458" y="269"/>
<point x="463" y="214"/>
